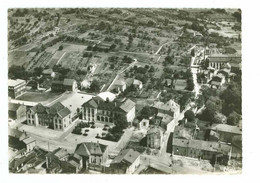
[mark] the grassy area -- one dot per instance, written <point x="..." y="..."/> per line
<point x="39" y="96"/>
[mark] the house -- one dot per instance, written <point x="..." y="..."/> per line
<point x="171" y="108"/>
<point x="201" y="149"/>
<point x="15" y="141"/>
<point x="120" y="85"/>
<point x="65" y="85"/>
<point x="168" y="82"/>
<point x="144" y="124"/>
<point x="154" y="137"/>
<point x="30" y="144"/>
<point x="181" y="132"/>
<point x="105" y="111"/>
<point x="165" y="121"/>
<point x="70" y="84"/>
<point x="137" y="84"/>
<point x="73" y="165"/>
<point x="54" y="160"/>
<point x="180" y="84"/>
<point x="57" y="86"/>
<point x="127" y="161"/>
<point x="16" y="87"/>
<point x="217" y="81"/>
<point x="92" y="153"/>
<point x="16" y="111"/>
<point x="57" y="116"/>
<point x="226" y="132"/>
<point x="48" y="73"/>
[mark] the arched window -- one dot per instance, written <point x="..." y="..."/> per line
<point x="102" y="118"/>
<point x="98" y="118"/>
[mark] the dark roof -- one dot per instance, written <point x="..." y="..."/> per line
<point x="13" y="107"/>
<point x="226" y="128"/>
<point x="116" y="105"/>
<point x="126" y="155"/>
<point x="202" y="145"/>
<point x="68" y="82"/>
<point x="57" y="82"/>
<point x="14" y="133"/>
<point x="90" y="148"/>
<point x="64" y="112"/>
<point x="56" y="108"/>
<point x="217" y="79"/>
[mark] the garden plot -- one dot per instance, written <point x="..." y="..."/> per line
<point x="71" y="60"/>
<point x="20" y="58"/>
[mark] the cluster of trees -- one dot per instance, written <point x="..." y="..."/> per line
<point x="115" y="133"/>
<point x="95" y="86"/>
<point x="222" y="107"/>
<point x="18" y="72"/>
<point x="190" y="84"/>
<point x="168" y="60"/>
<point x="86" y="54"/>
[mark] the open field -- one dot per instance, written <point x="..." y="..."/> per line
<point x="39" y="96"/>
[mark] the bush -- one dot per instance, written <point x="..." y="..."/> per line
<point x="189" y="115"/>
<point x="60" y="47"/>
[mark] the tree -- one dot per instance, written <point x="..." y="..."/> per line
<point x="189" y="115"/>
<point x="146" y="113"/>
<point x="193" y="52"/>
<point x="60" y="47"/>
<point x="95" y="86"/>
<point x="219" y="118"/>
<point x="233" y="118"/>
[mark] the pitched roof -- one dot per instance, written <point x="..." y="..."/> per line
<point x="13" y="107"/>
<point x="90" y="148"/>
<point x="64" y="112"/>
<point x="129" y="81"/>
<point x="120" y="82"/>
<point x="47" y="71"/>
<point x="202" y="145"/>
<point x="14" y="133"/>
<point x="226" y="128"/>
<point x="182" y="132"/>
<point x="126" y="155"/>
<point x="127" y="105"/>
<point x="90" y="103"/>
<point x="28" y="140"/>
<point x="154" y="130"/>
<point x="68" y="82"/>
<point x="16" y="82"/>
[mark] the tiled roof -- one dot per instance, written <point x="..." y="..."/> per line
<point x="47" y="71"/>
<point x="127" y="105"/>
<point x="202" y="145"/>
<point x="128" y="155"/>
<point x="90" y="148"/>
<point x="64" y="112"/>
<point x="153" y="130"/>
<point x="28" y="140"/>
<point x="68" y="82"/>
<point x="16" y="82"/>
<point x="56" y="108"/>
<point x="182" y="132"/>
<point x="226" y="128"/>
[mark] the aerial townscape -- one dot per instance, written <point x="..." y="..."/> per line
<point x="124" y="91"/>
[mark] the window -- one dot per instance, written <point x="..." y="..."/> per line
<point x="98" y="118"/>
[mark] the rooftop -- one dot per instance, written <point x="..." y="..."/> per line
<point x="202" y="145"/>
<point x="126" y="155"/>
<point x="107" y="94"/>
<point x="28" y="140"/>
<point x="90" y="148"/>
<point x="16" y="82"/>
<point x="226" y="128"/>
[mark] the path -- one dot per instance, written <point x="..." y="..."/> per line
<point x="61" y="58"/>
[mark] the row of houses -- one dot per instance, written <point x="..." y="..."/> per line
<point x="221" y="143"/>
